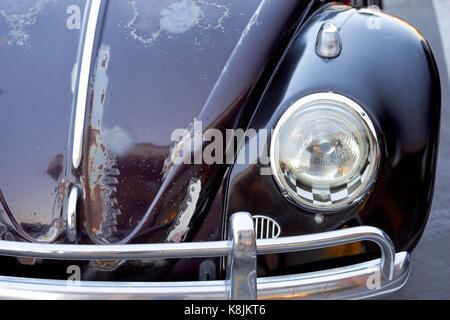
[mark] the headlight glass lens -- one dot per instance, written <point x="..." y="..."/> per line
<point x="324" y="151"/>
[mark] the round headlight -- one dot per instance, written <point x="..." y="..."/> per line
<point x="324" y="152"/>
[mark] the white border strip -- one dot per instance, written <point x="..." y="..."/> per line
<point x="83" y="82"/>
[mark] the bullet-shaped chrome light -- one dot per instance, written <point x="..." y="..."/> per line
<point x="328" y="44"/>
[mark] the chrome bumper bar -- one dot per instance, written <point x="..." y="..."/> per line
<point x="363" y="280"/>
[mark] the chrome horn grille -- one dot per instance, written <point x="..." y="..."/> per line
<point x="266" y="228"/>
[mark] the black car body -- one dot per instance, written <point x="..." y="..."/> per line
<point x="91" y="93"/>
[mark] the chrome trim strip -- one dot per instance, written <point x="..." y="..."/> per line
<point x="83" y="82"/>
<point x="115" y="252"/>
<point x="71" y="219"/>
<point x="334" y="238"/>
<point x="349" y="282"/>
<point x="241" y="263"/>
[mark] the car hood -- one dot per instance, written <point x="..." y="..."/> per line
<point x="158" y="66"/>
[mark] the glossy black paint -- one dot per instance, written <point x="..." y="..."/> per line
<point x="150" y="74"/>
<point x="160" y="80"/>
<point x="392" y="74"/>
<point x="37" y="55"/>
<point x="229" y="71"/>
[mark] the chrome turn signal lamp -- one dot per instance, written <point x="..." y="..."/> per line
<point x="328" y="43"/>
<point x="324" y="152"/>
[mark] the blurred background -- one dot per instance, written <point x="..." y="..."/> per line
<point x="430" y="274"/>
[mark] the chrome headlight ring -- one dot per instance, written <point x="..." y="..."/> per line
<point x="324" y="152"/>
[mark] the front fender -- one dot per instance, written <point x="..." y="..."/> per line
<point x="388" y="68"/>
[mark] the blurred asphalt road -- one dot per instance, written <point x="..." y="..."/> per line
<point x="430" y="274"/>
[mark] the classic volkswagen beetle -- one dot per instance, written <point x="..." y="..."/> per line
<point x="212" y="149"/>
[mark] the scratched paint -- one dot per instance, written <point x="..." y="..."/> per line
<point x="180" y="16"/>
<point x="179" y="149"/>
<point x="154" y="19"/>
<point x="52" y="231"/>
<point x="20" y="15"/>
<point x="106" y="265"/>
<point x="5" y="234"/>
<point x="187" y="210"/>
<point x="101" y="172"/>
<point x="253" y="22"/>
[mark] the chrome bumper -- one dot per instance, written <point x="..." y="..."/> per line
<point x="357" y="281"/>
